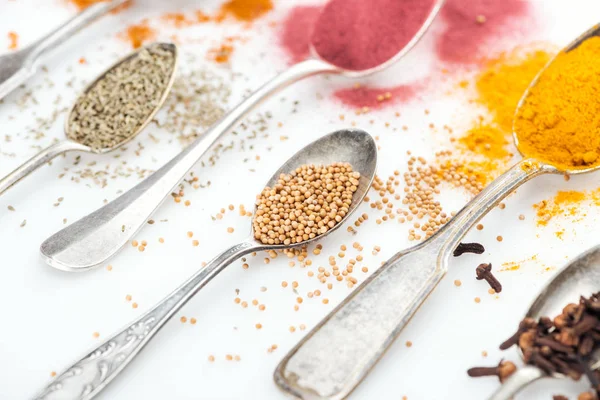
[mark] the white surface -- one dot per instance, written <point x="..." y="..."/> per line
<point x="49" y="316"/>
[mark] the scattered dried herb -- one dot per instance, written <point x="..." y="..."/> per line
<point x="113" y="109"/>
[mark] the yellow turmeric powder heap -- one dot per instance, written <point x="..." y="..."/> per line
<point x="559" y="122"/>
<point x="499" y="87"/>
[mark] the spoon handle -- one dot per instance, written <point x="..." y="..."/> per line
<point x="521" y="378"/>
<point x="339" y="352"/>
<point x="98" y="236"/>
<point x="90" y="374"/>
<point x="72" y="26"/>
<point x="37" y="161"/>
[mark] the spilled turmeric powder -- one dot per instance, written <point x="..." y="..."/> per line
<point x="565" y="203"/>
<point x="13" y="40"/>
<point x="499" y="87"/>
<point x="559" y="122"/>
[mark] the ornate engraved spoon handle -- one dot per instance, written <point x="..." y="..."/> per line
<point x="89" y="375"/>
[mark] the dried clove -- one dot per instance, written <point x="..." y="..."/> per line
<point x="463" y="248"/>
<point x="562" y="344"/>
<point x="484" y="271"/>
<point x="503" y="370"/>
<point x="524" y="325"/>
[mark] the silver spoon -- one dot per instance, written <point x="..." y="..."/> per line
<point x="17" y="67"/>
<point x="93" y="239"/>
<point x="69" y="145"/>
<point x="375" y="313"/>
<point x="89" y="375"/>
<point x="581" y="277"/>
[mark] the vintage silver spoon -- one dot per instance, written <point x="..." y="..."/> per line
<point x="17" y="67"/>
<point x="320" y="366"/>
<point x="69" y="145"/>
<point x="89" y="375"/>
<point x="581" y="277"/>
<point x="96" y="237"/>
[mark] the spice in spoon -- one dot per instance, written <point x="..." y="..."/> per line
<point x="304" y="204"/>
<point x="117" y="105"/>
<point x="558" y="122"/>
<point x="359" y="35"/>
<point x="560" y="345"/>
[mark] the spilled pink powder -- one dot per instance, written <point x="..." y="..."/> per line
<point x="297" y="29"/>
<point x="464" y="37"/>
<point x="365" y="96"/>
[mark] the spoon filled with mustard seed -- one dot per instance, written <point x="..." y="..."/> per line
<point x="308" y="198"/>
<point x="113" y="109"/>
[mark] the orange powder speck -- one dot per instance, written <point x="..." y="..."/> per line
<point x="13" y="40"/>
<point x="139" y="34"/>
<point x="82" y="60"/>
<point x="245" y="10"/>
<point x="177" y="19"/>
<point x="202" y="17"/>
<point x="53" y="374"/>
<point x="221" y="54"/>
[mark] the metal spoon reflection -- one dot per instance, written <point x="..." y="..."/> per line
<point x="89" y="375"/>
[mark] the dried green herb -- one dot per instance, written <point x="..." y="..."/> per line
<point x="114" y="108"/>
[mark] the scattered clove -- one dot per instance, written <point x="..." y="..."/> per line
<point x="463" y="248"/>
<point x="484" y="271"/>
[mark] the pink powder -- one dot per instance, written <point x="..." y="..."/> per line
<point x="361" y="34"/>
<point x="470" y="24"/>
<point x="374" y="98"/>
<point x="297" y="29"/>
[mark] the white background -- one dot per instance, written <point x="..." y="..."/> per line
<point x="49" y="317"/>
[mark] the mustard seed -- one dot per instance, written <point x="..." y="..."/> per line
<point x="304" y="204"/>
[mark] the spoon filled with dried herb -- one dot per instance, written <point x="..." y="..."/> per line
<point x="565" y="346"/>
<point x="308" y="198"/>
<point x="113" y="109"/>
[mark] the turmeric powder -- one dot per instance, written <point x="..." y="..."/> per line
<point x="559" y="121"/>
<point x="499" y="87"/>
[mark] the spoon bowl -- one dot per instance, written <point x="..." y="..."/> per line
<point x="357" y="148"/>
<point x="435" y="9"/>
<point x="168" y="47"/>
<point x="581" y="277"/>
<point x="70" y="145"/>
<point x="593" y="31"/>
